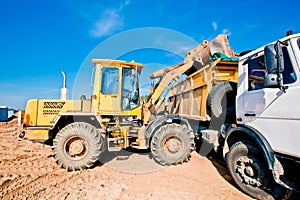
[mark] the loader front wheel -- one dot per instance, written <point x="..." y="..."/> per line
<point x="77" y="146"/>
<point x="172" y="144"/>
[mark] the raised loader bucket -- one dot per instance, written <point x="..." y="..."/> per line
<point x="202" y="53"/>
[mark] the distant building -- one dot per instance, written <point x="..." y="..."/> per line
<point x="6" y="113"/>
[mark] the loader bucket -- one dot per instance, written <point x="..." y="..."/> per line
<point x="202" y="53"/>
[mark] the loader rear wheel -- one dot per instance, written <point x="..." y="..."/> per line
<point x="221" y="102"/>
<point x="77" y="146"/>
<point x="172" y="144"/>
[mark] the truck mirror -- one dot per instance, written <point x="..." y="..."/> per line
<point x="274" y="65"/>
<point x="274" y="58"/>
<point x="271" y="81"/>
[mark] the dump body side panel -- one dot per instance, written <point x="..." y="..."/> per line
<point x="188" y="98"/>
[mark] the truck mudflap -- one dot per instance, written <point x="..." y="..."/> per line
<point x="162" y="120"/>
<point x="236" y="134"/>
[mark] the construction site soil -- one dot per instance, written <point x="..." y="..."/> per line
<point x="28" y="171"/>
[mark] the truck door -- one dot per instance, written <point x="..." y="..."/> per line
<point x="271" y="111"/>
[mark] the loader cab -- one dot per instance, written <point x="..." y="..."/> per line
<point x="116" y="87"/>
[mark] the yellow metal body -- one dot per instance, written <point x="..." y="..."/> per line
<point x="195" y="60"/>
<point x="41" y="114"/>
<point x="188" y="98"/>
<point x="39" y="134"/>
<point x="110" y="104"/>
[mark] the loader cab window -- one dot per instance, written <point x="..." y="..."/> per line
<point x="130" y="89"/>
<point x="110" y="80"/>
<point x="257" y="71"/>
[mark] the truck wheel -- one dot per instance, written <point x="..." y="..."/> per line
<point x="249" y="170"/>
<point x="221" y="101"/>
<point x="77" y="146"/>
<point x="172" y="144"/>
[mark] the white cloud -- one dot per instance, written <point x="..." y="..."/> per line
<point x="226" y="31"/>
<point x="215" y="25"/>
<point x="123" y="5"/>
<point x="174" y="46"/>
<point x="109" y="22"/>
<point x="180" y="51"/>
<point x="127" y="2"/>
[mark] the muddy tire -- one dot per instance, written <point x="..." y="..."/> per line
<point x="172" y="144"/>
<point x="77" y="146"/>
<point x="249" y="170"/>
<point x="221" y="102"/>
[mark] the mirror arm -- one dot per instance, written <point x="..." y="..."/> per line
<point x="279" y="57"/>
<point x="280" y="81"/>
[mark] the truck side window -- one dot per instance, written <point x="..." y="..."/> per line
<point x="109" y="84"/>
<point x="288" y="73"/>
<point x="256" y="73"/>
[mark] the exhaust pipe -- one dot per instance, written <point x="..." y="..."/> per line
<point x="64" y="89"/>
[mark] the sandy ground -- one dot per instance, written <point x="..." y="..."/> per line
<point x="28" y="171"/>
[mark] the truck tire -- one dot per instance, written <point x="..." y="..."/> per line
<point x="172" y="144"/>
<point x="249" y="170"/>
<point x="221" y="101"/>
<point x="77" y="146"/>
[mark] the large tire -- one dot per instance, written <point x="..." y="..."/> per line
<point x="77" y="146"/>
<point x="249" y="170"/>
<point x="172" y="144"/>
<point x="221" y="102"/>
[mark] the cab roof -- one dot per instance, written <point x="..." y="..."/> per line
<point x="117" y="63"/>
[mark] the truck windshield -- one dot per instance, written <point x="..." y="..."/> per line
<point x="130" y="89"/>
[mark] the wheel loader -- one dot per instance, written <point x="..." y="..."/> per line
<point x="114" y="117"/>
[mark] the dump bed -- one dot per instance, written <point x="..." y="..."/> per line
<point x="188" y="97"/>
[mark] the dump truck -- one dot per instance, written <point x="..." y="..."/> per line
<point x="248" y="110"/>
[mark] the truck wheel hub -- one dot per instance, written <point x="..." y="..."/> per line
<point x="250" y="171"/>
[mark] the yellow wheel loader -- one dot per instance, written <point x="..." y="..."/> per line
<point x="113" y="118"/>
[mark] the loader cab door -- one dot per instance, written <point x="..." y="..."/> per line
<point x="130" y="89"/>
<point x="110" y="89"/>
<point x="273" y="112"/>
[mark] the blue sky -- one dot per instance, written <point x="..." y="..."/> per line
<point x="39" y="38"/>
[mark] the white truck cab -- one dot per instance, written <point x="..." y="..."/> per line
<point x="273" y="111"/>
<point x="262" y="150"/>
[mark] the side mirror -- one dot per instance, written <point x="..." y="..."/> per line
<point x="275" y="65"/>
<point x="274" y="58"/>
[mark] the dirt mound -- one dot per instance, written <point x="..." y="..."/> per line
<point x="28" y="171"/>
